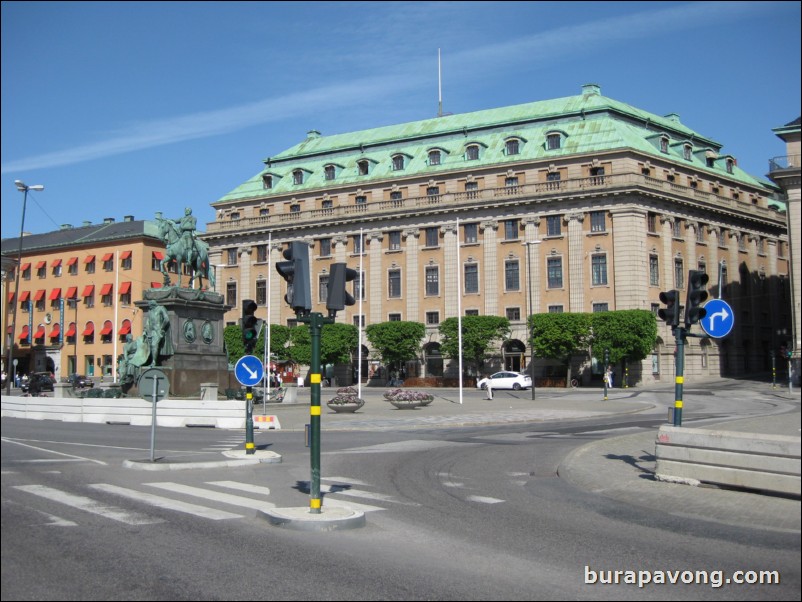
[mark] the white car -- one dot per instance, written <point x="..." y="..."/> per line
<point x="507" y="380"/>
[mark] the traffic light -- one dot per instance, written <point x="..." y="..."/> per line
<point x="296" y="272"/>
<point x="697" y="282"/>
<point x="670" y="313"/>
<point x="337" y="297"/>
<point x="250" y="325"/>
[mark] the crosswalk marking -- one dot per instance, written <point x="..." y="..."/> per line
<point x="89" y="505"/>
<point x="167" y="503"/>
<point x="208" y="494"/>
<point x="258" y="489"/>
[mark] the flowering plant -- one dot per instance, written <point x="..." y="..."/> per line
<point x="407" y="395"/>
<point x="345" y="395"/>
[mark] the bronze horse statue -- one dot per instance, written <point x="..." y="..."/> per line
<point x="194" y="255"/>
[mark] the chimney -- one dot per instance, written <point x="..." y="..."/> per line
<point x="128" y="218"/>
<point x="108" y="220"/>
<point x="590" y="89"/>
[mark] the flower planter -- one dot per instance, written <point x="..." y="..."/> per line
<point x="351" y="406"/>
<point x="405" y="404"/>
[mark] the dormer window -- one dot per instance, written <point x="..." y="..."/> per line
<point x="687" y="152"/>
<point x="730" y="165"/>
<point x="434" y="157"/>
<point x="267" y="182"/>
<point x="472" y="152"/>
<point x="329" y="172"/>
<point x="553" y="141"/>
<point x="298" y="176"/>
<point x="363" y="167"/>
<point x="398" y="162"/>
<point x="512" y="147"/>
<point x="664" y="144"/>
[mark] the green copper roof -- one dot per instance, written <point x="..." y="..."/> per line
<point x="588" y="123"/>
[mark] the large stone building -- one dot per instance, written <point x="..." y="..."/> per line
<point x="77" y="292"/>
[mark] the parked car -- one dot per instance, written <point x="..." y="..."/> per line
<point x="507" y="380"/>
<point x="38" y="382"/>
<point x="79" y="381"/>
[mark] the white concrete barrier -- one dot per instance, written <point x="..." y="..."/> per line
<point x="749" y="460"/>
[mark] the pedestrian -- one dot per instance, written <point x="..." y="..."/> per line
<point x="489" y="387"/>
<point x="609" y="376"/>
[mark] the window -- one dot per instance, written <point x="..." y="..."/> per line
<point x="108" y="262"/>
<point x="664" y="145"/>
<point x="231" y="293"/>
<point x="325" y="247"/>
<point x="89" y="264"/>
<point x="41" y="270"/>
<point x="553" y="225"/>
<point x="328" y="205"/>
<point x="700" y="233"/>
<point x="471" y="312"/>
<point x="722" y="238"/>
<point x="322" y="288"/>
<point x="676" y="228"/>
<point x="264" y="211"/>
<point x="56" y="265"/>
<point x="434" y="157"/>
<point x="730" y="165"/>
<point x="360" y="199"/>
<point x="511" y="184"/>
<point x="363" y="167"/>
<point x="599" y="307"/>
<point x="295" y="208"/>
<point x="359" y="287"/>
<point x="394" y="317"/>
<point x="471" y="278"/>
<point x="472" y="190"/>
<point x="555" y="309"/>
<point x="513" y="314"/>
<point x="651" y="223"/>
<point x="267" y="182"/>
<point x="470" y="234"/>
<point x="106" y="295"/>
<point x="261" y="292"/>
<point x="654" y="270"/>
<point x="512" y="147"/>
<point x="298" y="177"/>
<point x="553" y="180"/>
<point x="512" y="280"/>
<point x="432" y="281"/>
<point x="433" y="192"/>
<point x="398" y="162"/>
<point x="599" y="269"/>
<point x="472" y="152"/>
<point x="553" y="141"/>
<point x="432" y="237"/>
<point x="687" y="152"/>
<point x="125" y="293"/>
<point x="231" y="256"/>
<point x="554" y="269"/>
<point x="679" y="277"/>
<point x="357" y="244"/>
<point x="359" y="321"/>
<point x="394" y="240"/>
<point x="261" y="253"/>
<point x="596" y="176"/>
<point x="125" y="261"/>
<point x="72" y="266"/>
<point x="329" y="172"/>
<point x="432" y="318"/>
<point x="394" y="284"/>
<point x="511" y="229"/>
<point x="598" y="221"/>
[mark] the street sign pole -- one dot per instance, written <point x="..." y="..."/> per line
<point x="249" y="370"/>
<point x="250" y="448"/>
<point x="679" y="379"/>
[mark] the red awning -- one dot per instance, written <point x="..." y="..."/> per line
<point x="55" y="263"/>
<point x="158" y="255"/>
<point x="106" y="289"/>
<point x="89" y="259"/>
<point x="24" y="334"/>
<point x="40" y="332"/>
<point x="55" y="294"/>
<point x="55" y="332"/>
<point x="155" y="285"/>
<point x="24" y="295"/>
<point x="125" y="288"/>
<point x="90" y="328"/>
<point x="107" y="328"/>
<point x="40" y="265"/>
<point x="25" y="266"/>
<point x="71" y="330"/>
<point x="88" y="290"/>
<point x="10" y="296"/>
<point x="72" y="261"/>
<point x="125" y="255"/>
<point x="40" y="294"/>
<point x="108" y="256"/>
<point x="126" y="328"/>
<point x="71" y="292"/>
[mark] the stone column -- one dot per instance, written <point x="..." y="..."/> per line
<point x="667" y="235"/>
<point x="630" y="272"/>
<point x="412" y="288"/>
<point x="452" y="263"/>
<point x="375" y="299"/>
<point x="576" y="262"/>
<point x="490" y="260"/>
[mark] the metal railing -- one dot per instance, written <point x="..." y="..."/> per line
<point x="784" y="162"/>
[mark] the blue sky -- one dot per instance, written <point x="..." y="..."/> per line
<point x="128" y="108"/>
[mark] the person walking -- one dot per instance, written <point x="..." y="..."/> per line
<point x="489" y="387"/>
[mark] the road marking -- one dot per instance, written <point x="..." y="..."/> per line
<point x="50" y="451"/>
<point x="344" y="480"/>
<point x="89" y="505"/>
<point x="208" y="494"/>
<point x="484" y="500"/>
<point x="167" y="503"/>
<point x="413" y="445"/>
<point x="258" y="489"/>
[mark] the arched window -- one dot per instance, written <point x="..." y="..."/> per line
<point x="512" y="146"/>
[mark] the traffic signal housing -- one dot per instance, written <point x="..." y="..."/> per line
<point x="250" y="325"/>
<point x="670" y="313"/>
<point x="295" y="270"/>
<point x="696" y="295"/>
<point x="337" y="296"/>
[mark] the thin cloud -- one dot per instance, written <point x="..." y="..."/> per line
<point x="535" y="49"/>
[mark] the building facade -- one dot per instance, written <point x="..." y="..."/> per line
<point x="577" y="204"/>
<point x="77" y="290"/>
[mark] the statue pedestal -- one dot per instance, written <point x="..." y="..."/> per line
<point x="196" y="332"/>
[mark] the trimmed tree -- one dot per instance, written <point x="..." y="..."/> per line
<point x="479" y="334"/>
<point x="627" y="335"/>
<point x="336" y="342"/>
<point x="396" y="342"/>
<point x="560" y="336"/>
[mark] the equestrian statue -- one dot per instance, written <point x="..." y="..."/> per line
<point x="185" y="248"/>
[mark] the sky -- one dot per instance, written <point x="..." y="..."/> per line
<point x="133" y="108"/>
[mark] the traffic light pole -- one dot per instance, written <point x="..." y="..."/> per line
<point x="679" y="335"/>
<point x="250" y="448"/>
<point x="316" y="322"/>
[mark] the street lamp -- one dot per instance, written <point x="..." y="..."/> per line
<point x="528" y="244"/>
<point x="24" y="190"/>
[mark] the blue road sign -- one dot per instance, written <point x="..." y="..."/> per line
<point x="719" y="320"/>
<point x="249" y="370"/>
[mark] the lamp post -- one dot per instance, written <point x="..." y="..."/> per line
<point x="527" y="245"/>
<point x="24" y="190"/>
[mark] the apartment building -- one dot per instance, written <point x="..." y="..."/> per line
<point x="576" y="204"/>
